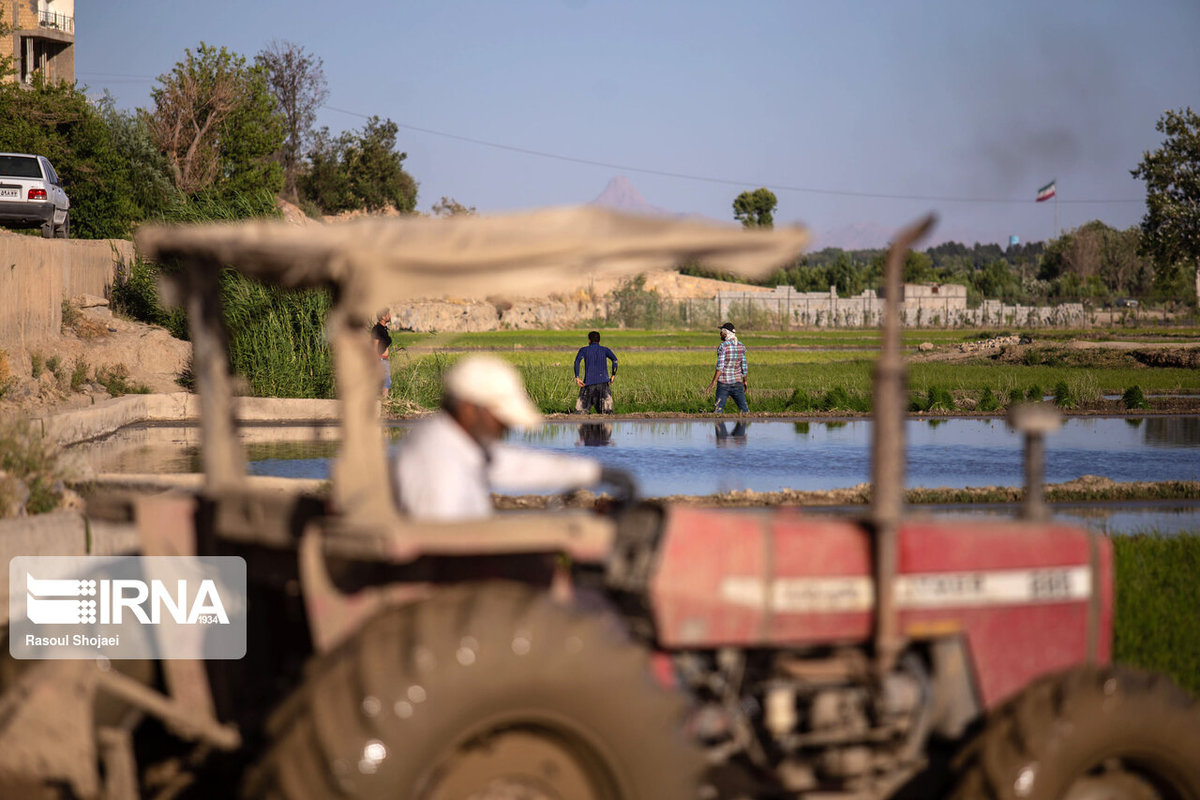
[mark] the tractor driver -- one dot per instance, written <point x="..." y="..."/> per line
<point x="446" y="468"/>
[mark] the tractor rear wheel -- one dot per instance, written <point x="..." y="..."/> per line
<point x="482" y="692"/>
<point x="1088" y="733"/>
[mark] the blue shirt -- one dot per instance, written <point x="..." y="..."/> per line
<point x="593" y="357"/>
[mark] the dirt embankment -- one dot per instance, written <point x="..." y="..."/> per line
<point x="96" y="355"/>
<point x="1088" y="488"/>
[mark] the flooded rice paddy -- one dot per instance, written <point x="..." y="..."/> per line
<point x="701" y="457"/>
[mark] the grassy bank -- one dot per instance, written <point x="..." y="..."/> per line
<point x="790" y="372"/>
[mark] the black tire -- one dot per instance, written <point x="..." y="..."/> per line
<point x="48" y="230"/>
<point x="1090" y="732"/>
<point x="482" y="691"/>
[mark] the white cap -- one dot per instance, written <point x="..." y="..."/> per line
<point x="494" y="384"/>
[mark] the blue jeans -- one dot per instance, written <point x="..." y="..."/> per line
<point x="734" y="390"/>
<point x="385" y="367"/>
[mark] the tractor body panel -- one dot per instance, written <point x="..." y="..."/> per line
<point x="1028" y="598"/>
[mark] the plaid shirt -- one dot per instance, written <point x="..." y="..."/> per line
<point x="731" y="361"/>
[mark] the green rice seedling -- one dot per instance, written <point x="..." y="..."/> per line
<point x="79" y="374"/>
<point x="938" y="398"/>
<point x="838" y="399"/>
<point x="1085" y="388"/>
<point x="800" y="401"/>
<point x="987" y="401"/>
<point x="1134" y="398"/>
<point x="1063" y="396"/>
<point x="1155" y="624"/>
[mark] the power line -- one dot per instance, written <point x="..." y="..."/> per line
<point x="722" y="181"/>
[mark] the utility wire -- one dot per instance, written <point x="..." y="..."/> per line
<point x="723" y="181"/>
<point x="665" y="173"/>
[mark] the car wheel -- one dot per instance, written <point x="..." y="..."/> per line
<point x="64" y="230"/>
<point x="491" y="691"/>
<point x="48" y="230"/>
<point x="1089" y="732"/>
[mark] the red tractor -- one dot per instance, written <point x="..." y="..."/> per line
<point x="656" y="652"/>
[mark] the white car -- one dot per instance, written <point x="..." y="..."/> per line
<point x="31" y="195"/>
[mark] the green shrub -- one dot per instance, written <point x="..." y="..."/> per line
<point x="79" y="374"/>
<point x="1034" y="394"/>
<point x="987" y="400"/>
<point x="33" y="469"/>
<point x="1134" y="398"/>
<point x="1063" y="396"/>
<point x="54" y="365"/>
<point x="37" y="363"/>
<point x="115" y="379"/>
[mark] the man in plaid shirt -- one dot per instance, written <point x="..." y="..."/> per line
<point x="730" y="377"/>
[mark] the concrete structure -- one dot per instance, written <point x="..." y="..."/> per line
<point x="921" y="304"/>
<point x="37" y="274"/>
<point x="42" y="41"/>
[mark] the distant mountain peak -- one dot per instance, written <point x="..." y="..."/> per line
<point x="623" y="196"/>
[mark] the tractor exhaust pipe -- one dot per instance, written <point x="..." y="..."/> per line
<point x="1034" y="420"/>
<point x="887" y="449"/>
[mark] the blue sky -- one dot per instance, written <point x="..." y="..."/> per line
<point x="861" y="115"/>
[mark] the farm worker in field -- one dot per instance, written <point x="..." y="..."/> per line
<point x="381" y="338"/>
<point x="730" y="377"/>
<point x="446" y="468"/>
<point x="594" y="387"/>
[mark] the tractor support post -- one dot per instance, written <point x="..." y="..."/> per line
<point x="196" y="286"/>
<point x="887" y="458"/>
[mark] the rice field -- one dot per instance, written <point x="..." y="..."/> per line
<point x="790" y="372"/>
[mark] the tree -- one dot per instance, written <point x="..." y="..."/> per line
<point x="59" y="122"/>
<point x="449" y="207"/>
<point x="215" y="122"/>
<point x="151" y="189"/>
<point x="359" y="170"/>
<point x="755" y="209"/>
<point x="376" y="170"/>
<point x="296" y="79"/>
<point x="1171" y="227"/>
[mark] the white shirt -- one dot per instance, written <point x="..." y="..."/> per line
<point x="442" y="474"/>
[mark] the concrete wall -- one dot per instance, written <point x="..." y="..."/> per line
<point x="36" y="274"/>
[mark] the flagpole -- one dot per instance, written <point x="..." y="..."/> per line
<point x="1056" y="230"/>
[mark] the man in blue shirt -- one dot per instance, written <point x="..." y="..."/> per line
<point x="730" y="376"/>
<point x="594" y="390"/>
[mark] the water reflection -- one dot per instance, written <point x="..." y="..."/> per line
<point x="1172" y="431"/>
<point x="728" y="438"/>
<point x="595" y="434"/>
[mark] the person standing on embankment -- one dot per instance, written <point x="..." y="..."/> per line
<point x="381" y="337"/>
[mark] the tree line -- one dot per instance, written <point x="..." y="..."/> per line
<point x="223" y="133"/>
<point x="1157" y="259"/>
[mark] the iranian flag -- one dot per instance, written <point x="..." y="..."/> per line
<point x="1046" y="192"/>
